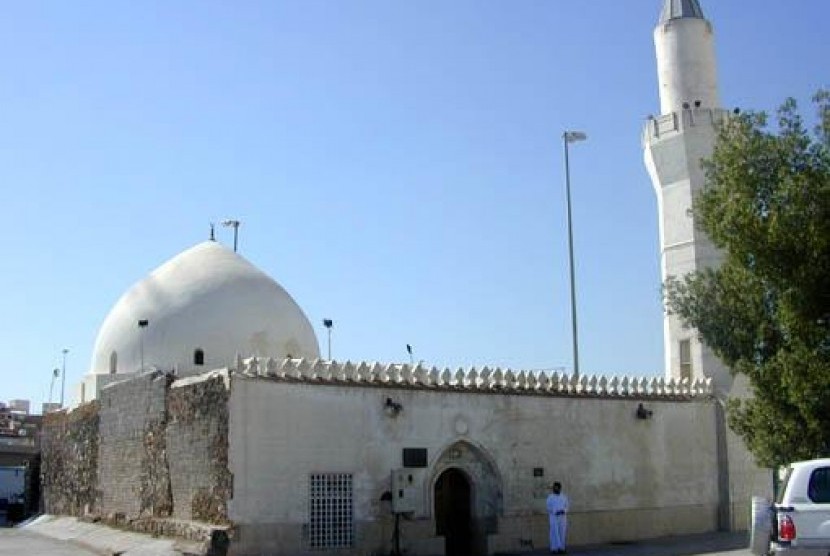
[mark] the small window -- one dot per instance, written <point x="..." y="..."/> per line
<point x="330" y="522"/>
<point x="819" y="487"/>
<point x="686" y="359"/>
<point x="198" y="357"/>
<point x="113" y="362"/>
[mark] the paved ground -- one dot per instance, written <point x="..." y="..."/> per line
<point x="16" y="542"/>
<point x="711" y="544"/>
<point x="89" y="538"/>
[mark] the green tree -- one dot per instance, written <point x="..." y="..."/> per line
<point x="766" y="310"/>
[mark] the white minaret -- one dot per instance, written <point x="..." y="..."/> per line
<point x="674" y="143"/>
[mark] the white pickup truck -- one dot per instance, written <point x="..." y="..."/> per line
<point x="799" y="521"/>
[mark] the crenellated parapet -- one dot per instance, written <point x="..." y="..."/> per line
<point x="658" y="127"/>
<point x="484" y="380"/>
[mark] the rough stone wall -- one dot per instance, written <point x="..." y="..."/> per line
<point x="133" y="470"/>
<point x="197" y="439"/>
<point x="69" y="461"/>
<point x="147" y="449"/>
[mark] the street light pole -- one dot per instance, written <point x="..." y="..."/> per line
<point x="63" y="374"/>
<point x="328" y="323"/>
<point x="142" y="325"/>
<point x="569" y="137"/>
<point x="55" y="372"/>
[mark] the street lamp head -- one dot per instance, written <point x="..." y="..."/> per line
<point x="328" y="323"/>
<point x="142" y="323"/>
<point x="574" y="136"/>
<point x="229" y="223"/>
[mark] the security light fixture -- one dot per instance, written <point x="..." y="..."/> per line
<point x="392" y="408"/>
<point x="643" y="413"/>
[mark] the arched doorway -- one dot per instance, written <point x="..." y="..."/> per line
<point x="453" y="512"/>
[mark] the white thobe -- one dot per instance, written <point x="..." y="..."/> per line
<point x="557" y="505"/>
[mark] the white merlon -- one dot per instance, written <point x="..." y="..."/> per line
<point x="497" y="381"/>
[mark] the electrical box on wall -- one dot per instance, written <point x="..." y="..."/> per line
<point x="406" y="491"/>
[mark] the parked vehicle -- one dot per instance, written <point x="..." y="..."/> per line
<point x="798" y="523"/>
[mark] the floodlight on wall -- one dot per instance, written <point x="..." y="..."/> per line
<point x="392" y="408"/>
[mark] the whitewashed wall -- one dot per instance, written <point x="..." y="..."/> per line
<point x="627" y="478"/>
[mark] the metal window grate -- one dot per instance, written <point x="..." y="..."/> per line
<point x="330" y="511"/>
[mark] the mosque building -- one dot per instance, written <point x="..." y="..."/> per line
<point x="208" y="411"/>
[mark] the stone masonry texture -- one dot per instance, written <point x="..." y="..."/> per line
<point x="69" y="460"/>
<point x="197" y="443"/>
<point x="146" y="456"/>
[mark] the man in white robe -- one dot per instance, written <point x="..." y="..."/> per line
<point x="557" y="506"/>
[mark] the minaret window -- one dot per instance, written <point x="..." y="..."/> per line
<point x="198" y="357"/>
<point x="685" y="359"/>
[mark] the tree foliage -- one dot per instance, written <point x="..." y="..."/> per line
<point x="766" y="310"/>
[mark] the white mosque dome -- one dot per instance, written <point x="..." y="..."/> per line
<point x="202" y="308"/>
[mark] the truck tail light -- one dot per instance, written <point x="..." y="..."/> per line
<point x="786" y="528"/>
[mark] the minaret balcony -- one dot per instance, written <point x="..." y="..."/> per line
<point x="658" y="127"/>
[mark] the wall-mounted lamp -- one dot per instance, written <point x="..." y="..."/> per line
<point x="643" y="413"/>
<point x="392" y="408"/>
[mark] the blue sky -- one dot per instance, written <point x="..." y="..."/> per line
<point x="397" y="166"/>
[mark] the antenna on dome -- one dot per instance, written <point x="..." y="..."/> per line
<point x="235" y="225"/>
<point x="411" y="357"/>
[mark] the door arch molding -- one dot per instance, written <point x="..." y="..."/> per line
<point x="485" y="489"/>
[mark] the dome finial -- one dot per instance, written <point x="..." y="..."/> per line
<point x="212" y="232"/>
<point x="677" y="9"/>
